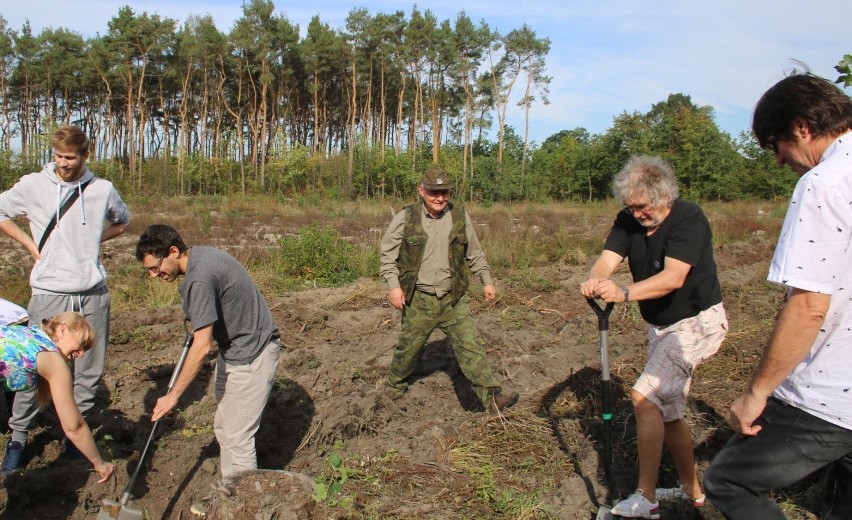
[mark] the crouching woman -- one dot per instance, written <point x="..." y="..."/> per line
<point x="38" y="356"/>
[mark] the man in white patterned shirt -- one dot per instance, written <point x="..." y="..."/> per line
<point x="795" y="416"/>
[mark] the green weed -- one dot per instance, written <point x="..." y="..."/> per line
<point x="528" y="279"/>
<point x="330" y="486"/>
<point x="283" y="383"/>
<point x="104" y="446"/>
<point x="197" y="429"/>
<point x="206" y="223"/>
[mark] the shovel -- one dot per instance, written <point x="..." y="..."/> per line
<point x="112" y="510"/>
<point x="603" y="326"/>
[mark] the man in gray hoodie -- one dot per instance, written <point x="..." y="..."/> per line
<point x="68" y="274"/>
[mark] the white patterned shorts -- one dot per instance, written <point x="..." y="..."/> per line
<point x="673" y="354"/>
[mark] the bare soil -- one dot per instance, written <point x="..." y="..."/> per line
<point x="337" y="345"/>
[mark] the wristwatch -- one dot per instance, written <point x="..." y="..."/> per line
<point x="626" y="293"/>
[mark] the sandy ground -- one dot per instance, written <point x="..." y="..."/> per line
<point x="337" y="346"/>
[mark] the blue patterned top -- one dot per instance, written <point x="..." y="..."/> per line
<point x="18" y="349"/>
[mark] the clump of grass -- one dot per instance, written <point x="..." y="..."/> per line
<point x="520" y="318"/>
<point x="741" y="228"/>
<point x="742" y="220"/>
<point x="319" y="255"/>
<point x="528" y="279"/>
<point x="519" y="442"/>
<point x="582" y="251"/>
<point x="132" y="288"/>
<point x="526" y="235"/>
<point x="137" y="335"/>
<point x="504" y="457"/>
<point x="519" y="246"/>
<point x="499" y="467"/>
<point x="15" y="288"/>
<point x="197" y="429"/>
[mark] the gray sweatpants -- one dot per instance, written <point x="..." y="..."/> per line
<point x="88" y="369"/>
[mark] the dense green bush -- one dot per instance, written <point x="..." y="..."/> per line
<point x="318" y="254"/>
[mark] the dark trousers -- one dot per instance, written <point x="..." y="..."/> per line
<point x="792" y="445"/>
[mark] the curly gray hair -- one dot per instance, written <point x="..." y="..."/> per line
<point x="646" y="176"/>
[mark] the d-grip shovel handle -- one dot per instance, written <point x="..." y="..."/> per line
<point x="603" y="326"/>
<point x="602" y="312"/>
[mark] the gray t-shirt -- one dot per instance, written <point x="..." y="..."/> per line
<point x="217" y="289"/>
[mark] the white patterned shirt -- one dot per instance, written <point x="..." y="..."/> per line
<point x="814" y="254"/>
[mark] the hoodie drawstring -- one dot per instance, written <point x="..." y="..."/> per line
<point x="58" y="201"/>
<point x="79" y="187"/>
<point x="82" y="204"/>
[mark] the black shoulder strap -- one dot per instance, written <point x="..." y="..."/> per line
<point x="62" y="211"/>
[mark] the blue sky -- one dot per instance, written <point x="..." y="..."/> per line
<point x="606" y="57"/>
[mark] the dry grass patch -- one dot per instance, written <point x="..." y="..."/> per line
<point x="497" y="467"/>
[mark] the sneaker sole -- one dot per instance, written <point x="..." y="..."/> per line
<point x="630" y="515"/>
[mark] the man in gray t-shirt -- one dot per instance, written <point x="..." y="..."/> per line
<point x="224" y="304"/>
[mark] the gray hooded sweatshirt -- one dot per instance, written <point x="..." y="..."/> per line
<point x="70" y="261"/>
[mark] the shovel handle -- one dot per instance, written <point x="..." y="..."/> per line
<point x="603" y="326"/>
<point x="602" y="312"/>
<point x="125" y="498"/>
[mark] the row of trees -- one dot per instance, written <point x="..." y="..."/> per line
<point x="147" y="88"/>
<point x="709" y="163"/>
<point x="352" y="112"/>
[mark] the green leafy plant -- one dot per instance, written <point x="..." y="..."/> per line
<point x="104" y="446"/>
<point x="330" y="485"/>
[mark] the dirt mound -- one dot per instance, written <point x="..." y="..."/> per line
<point x="263" y="495"/>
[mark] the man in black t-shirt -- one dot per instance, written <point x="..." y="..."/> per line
<point x="669" y="248"/>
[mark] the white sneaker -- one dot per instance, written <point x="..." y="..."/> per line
<point x="637" y="506"/>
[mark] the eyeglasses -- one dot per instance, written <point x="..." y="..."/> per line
<point x="437" y="193"/>
<point x="637" y="208"/>
<point x="155" y="269"/>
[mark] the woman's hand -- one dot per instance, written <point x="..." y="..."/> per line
<point x="105" y="471"/>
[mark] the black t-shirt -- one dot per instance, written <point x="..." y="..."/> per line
<point x="684" y="235"/>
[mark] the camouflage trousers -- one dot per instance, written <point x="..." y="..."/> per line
<point x="426" y="313"/>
